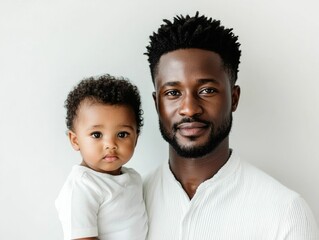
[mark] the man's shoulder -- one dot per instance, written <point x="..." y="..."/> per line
<point x="257" y="180"/>
<point x="154" y="179"/>
<point x="277" y="200"/>
<point x="248" y="178"/>
<point x="154" y="175"/>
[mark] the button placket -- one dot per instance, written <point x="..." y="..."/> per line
<point x="190" y="216"/>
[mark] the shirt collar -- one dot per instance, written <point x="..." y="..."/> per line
<point x="227" y="170"/>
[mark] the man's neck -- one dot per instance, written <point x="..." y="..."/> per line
<point x="191" y="172"/>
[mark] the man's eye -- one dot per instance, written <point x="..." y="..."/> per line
<point x="122" y="134"/>
<point x="96" y="135"/>
<point x="172" y="93"/>
<point x="207" y="90"/>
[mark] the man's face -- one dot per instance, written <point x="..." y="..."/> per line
<point x="194" y="100"/>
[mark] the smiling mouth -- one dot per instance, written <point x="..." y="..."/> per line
<point x="192" y="129"/>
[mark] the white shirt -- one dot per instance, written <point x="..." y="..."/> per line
<point x="239" y="202"/>
<point x="97" y="204"/>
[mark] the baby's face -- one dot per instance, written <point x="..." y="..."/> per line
<point x="105" y="135"/>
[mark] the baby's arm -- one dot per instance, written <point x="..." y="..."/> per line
<point x="78" y="207"/>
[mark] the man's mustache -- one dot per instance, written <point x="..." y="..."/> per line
<point x="189" y="120"/>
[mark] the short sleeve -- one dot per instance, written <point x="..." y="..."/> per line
<point x="78" y="208"/>
<point x="299" y="223"/>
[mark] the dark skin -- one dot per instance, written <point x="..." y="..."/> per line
<point x="192" y="173"/>
<point x="193" y="83"/>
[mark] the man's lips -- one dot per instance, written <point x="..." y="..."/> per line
<point x="192" y="129"/>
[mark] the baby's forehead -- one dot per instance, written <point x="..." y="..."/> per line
<point x="91" y="103"/>
<point x="108" y="119"/>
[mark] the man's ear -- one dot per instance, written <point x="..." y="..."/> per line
<point x="235" y="97"/>
<point x="155" y="100"/>
<point x="73" y="140"/>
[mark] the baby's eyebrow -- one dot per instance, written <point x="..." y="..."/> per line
<point x="127" y="126"/>
<point x="94" y="127"/>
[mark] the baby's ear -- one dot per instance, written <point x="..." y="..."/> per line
<point x="73" y="140"/>
<point x="136" y="139"/>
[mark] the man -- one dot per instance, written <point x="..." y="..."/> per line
<point x="205" y="191"/>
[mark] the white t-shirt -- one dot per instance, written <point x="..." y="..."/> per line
<point x="240" y="202"/>
<point x="94" y="204"/>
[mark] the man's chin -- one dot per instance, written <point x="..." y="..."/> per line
<point x="188" y="147"/>
<point x="192" y="142"/>
<point x="191" y="151"/>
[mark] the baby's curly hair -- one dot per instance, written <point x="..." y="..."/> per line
<point x="104" y="89"/>
<point x="195" y="32"/>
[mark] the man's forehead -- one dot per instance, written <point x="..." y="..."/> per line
<point x="183" y="63"/>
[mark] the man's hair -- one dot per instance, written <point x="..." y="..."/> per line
<point x="104" y="89"/>
<point x="195" y="32"/>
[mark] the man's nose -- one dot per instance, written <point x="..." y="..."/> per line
<point x="190" y="106"/>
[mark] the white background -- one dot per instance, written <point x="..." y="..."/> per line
<point x="46" y="47"/>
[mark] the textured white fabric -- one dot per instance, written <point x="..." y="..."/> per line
<point x="98" y="204"/>
<point x="239" y="202"/>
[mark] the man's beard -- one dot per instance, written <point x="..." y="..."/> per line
<point x="217" y="135"/>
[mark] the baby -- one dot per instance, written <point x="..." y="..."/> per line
<point x="101" y="199"/>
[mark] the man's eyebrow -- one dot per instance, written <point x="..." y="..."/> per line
<point x="171" y="84"/>
<point x="207" y="80"/>
<point x="200" y="81"/>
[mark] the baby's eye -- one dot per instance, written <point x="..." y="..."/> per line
<point x="122" y="134"/>
<point x="96" y="135"/>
